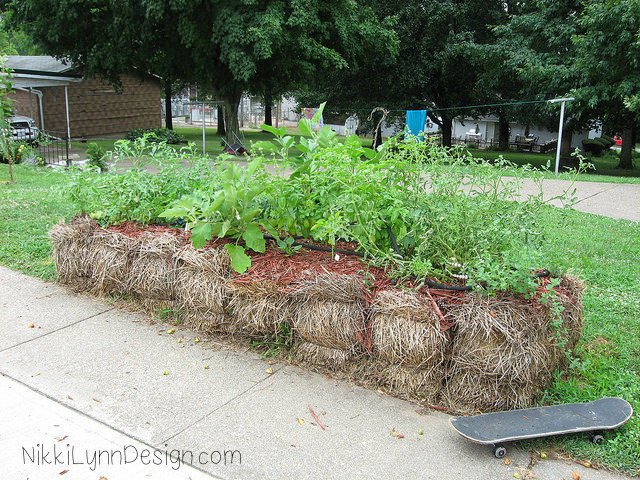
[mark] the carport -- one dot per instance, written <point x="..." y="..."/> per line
<point x="30" y="73"/>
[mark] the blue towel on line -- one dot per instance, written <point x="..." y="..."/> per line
<point x="415" y="122"/>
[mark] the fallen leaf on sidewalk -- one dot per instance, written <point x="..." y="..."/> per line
<point x="576" y="476"/>
<point x="269" y="371"/>
<point x="586" y="463"/>
<point x="270" y="362"/>
<point x="61" y="438"/>
<point x="179" y="340"/>
<point x="197" y="340"/>
<point x="206" y="367"/>
<point x="171" y="330"/>
<point x="96" y="400"/>
<point x="396" y="434"/>
<point x="507" y="461"/>
<point x="301" y="421"/>
<point x="32" y="326"/>
<point x="166" y="372"/>
<point x="63" y="472"/>
<point x="69" y="397"/>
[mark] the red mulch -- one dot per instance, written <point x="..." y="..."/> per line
<point x="274" y="265"/>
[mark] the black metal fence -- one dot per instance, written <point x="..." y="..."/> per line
<point x="52" y="147"/>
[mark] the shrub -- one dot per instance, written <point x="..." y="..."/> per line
<point x="96" y="155"/>
<point x="592" y="146"/>
<point x="610" y="141"/>
<point x="157" y="135"/>
<point x="13" y="152"/>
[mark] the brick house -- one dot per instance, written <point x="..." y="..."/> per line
<point x="43" y="87"/>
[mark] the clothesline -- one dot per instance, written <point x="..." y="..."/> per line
<point x="432" y="109"/>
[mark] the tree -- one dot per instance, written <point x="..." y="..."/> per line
<point x="436" y="66"/>
<point x="538" y="43"/>
<point x="232" y="45"/>
<point x="609" y="60"/>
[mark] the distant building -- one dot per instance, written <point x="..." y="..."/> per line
<point x="42" y="85"/>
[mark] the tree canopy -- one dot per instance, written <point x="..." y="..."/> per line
<point x="230" y="45"/>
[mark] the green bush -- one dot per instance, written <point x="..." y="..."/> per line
<point x="608" y="139"/>
<point x="157" y="135"/>
<point x="96" y="155"/>
<point x="593" y="147"/>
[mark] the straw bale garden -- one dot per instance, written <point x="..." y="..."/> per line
<point x="415" y="270"/>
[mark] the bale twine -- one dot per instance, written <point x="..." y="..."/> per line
<point x="110" y="262"/>
<point x="405" y="330"/>
<point x="328" y="310"/>
<point x="503" y="353"/>
<point x="258" y="307"/>
<point x="200" y="277"/>
<point x="333" y="358"/>
<point x="152" y="273"/>
<point x="71" y="251"/>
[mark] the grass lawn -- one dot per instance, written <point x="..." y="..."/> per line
<point x="605" y="166"/>
<point x="213" y="145"/>
<point x="606" y="252"/>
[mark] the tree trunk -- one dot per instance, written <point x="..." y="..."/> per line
<point x="231" y="123"/>
<point x="168" y="116"/>
<point x="447" y="129"/>
<point x="221" y="130"/>
<point x="503" y="132"/>
<point x="628" y="138"/>
<point x="268" y="102"/>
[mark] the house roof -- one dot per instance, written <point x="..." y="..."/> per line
<point x="44" y="64"/>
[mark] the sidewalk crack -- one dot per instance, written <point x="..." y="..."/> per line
<point x="56" y="330"/>
<point x="164" y="442"/>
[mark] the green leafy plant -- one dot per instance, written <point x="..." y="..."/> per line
<point x="157" y="135"/>
<point x="277" y="343"/>
<point x="96" y="155"/>
<point x="230" y="210"/>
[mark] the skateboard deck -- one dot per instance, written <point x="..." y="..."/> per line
<point x="495" y="428"/>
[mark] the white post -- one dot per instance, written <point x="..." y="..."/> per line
<point x="203" y="132"/>
<point x="559" y="147"/>
<point x="66" y="103"/>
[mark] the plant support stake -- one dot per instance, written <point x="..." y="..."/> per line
<point x="559" y="147"/>
<point x="204" y="144"/>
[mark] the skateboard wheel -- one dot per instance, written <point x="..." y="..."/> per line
<point x="597" y="439"/>
<point x="499" y="451"/>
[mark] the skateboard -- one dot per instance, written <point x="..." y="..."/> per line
<point x="496" y="428"/>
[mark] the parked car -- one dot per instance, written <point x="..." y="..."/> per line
<point x="24" y="129"/>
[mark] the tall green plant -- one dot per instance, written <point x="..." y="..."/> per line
<point x="6" y="108"/>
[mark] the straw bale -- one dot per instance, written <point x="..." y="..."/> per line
<point x="259" y="307"/>
<point x="211" y="323"/>
<point x="329" y="323"/>
<point x="503" y="353"/>
<point x="152" y="273"/>
<point x="329" y="286"/>
<point x="572" y="310"/>
<point x="200" y="278"/>
<point x="320" y="355"/>
<point x="110" y="259"/>
<point x="71" y="249"/>
<point x="409" y="380"/>
<point x="405" y="330"/>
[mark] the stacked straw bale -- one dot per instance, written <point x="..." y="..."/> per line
<point x="200" y="277"/>
<point x="259" y="307"/>
<point x="72" y="250"/>
<point x="406" y="333"/>
<point x="504" y="352"/>
<point x="328" y="315"/>
<point x="499" y="354"/>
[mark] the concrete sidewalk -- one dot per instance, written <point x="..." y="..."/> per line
<point x="110" y="377"/>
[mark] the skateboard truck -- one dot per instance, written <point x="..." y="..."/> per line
<point x="495" y="429"/>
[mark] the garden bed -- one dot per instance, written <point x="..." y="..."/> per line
<point x="462" y="350"/>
